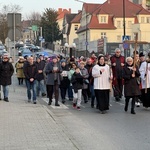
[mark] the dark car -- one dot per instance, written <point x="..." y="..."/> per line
<point x="18" y="45"/>
<point x="34" y="48"/>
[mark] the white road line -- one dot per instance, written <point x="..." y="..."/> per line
<point x="62" y="106"/>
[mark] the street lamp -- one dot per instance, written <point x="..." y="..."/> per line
<point x="124" y="20"/>
<point x="66" y="48"/>
<point x="86" y="33"/>
<point x="74" y="46"/>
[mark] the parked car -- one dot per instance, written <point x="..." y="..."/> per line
<point x="2" y="52"/>
<point x="26" y="52"/>
<point x="44" y="53"/>
<point x="28" y="46"/>
<point x="34" y="48"/>
<point x="20" y="50"/>
<point x="18" y="45"/>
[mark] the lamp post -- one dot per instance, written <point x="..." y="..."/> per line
<point x="74" y="46"/>
<point x="124" y="19"/>
<point x="66" y="48"/>
<point x="124" y="25"/>
<point x="86" y="33"/>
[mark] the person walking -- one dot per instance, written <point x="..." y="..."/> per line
<point x="40" y="87"/>
<point x="131" y="86"/>
<point x="53" y="70"/>
<point x="145" y="82"/>
<point x="65" y="82"/>
<point x="30" y="72"/>
<point x="6" y="72"/>
<point x="85" y="74"/>
<point x="117" y="63"/>
<point x="77" y="84"/>
<point x="19" y="70"/>
<point x="102" y="77"/>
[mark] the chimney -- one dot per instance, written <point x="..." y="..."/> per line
<point x="59" y="10"/>
<point x="70" y="10"/>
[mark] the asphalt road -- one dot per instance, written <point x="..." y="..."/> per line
<point x="116" y="130"/>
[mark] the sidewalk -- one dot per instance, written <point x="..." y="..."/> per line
<point x="25" y="126"/>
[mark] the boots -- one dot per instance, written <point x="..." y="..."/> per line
<point x="50" y="102"/>
<point x="132" y="111"/>
<point x="132" y="106"/>
<point x="56" y="103"/>
<point x="126" y="104"/>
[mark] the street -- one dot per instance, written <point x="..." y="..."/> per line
<point x="25" y="126"/>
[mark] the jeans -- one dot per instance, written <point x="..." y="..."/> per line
<point x="92" y="94"/>
<point x="40" y="87"/>
<point x="5" y="90"/>
<point x="31" y="86"/>
<point x="70" y="93"/>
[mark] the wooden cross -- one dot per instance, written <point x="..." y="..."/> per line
<point x="135" y="42"/>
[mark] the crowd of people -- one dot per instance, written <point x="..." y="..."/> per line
<point x="82" y="80"/>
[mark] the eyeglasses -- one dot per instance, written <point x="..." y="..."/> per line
<point x="5" y="58"/>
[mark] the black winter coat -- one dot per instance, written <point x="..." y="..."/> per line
<point x="6" y="71"/>
<point x="65" y="82"/>
<point x="30" y="71"/>
<point x="40" y="66"/>
<point x="131" y="85"/>
<point x="77" y="82"/>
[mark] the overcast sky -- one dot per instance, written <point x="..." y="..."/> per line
<point x="39" y="5"/>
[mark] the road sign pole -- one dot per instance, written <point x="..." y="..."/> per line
<point x="41" y="35"/>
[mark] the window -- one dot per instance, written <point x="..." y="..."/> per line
<point x="103" y="35"/>
<point x="142" y="20"/>
<point x="103" y="19"/>
<point x="129" y="24"/>
<point x="75" y="27"/>
<point x="118" y="24"/>
<point x="118" y="38"/>
<point x="148" y="20"/>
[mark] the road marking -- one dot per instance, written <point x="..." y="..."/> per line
<point x="62" y="106"/>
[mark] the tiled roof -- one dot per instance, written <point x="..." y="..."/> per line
<point x="69" y="17"/>
<point x="26" y="24"/>
<point x="94" y="24"/>
<point x="62" y="13"/>
<point x="77" y="18"/>
<point x="89" y="7"/>
<point x="113" y="8"/>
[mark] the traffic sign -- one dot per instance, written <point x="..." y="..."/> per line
<point x="124" y="38"/>
<point x="40" y="38"/>
<point x="125" y="45"/>
<point x="34" y="28"/>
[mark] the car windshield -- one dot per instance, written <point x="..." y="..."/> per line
<point x="26" y="51"/>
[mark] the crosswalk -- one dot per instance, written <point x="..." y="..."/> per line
<point x="62" y="106"/>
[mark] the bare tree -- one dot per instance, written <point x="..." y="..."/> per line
<point x="35" y="18"/>
<point x="11" y="8"/>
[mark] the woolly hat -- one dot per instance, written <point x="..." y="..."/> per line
<point x="54" y="57"/>
<point x="141" y="54"/>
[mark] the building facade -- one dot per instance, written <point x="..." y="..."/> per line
<point x="106" y="21"/>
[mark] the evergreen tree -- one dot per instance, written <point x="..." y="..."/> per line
<point x="51" y="31"/>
